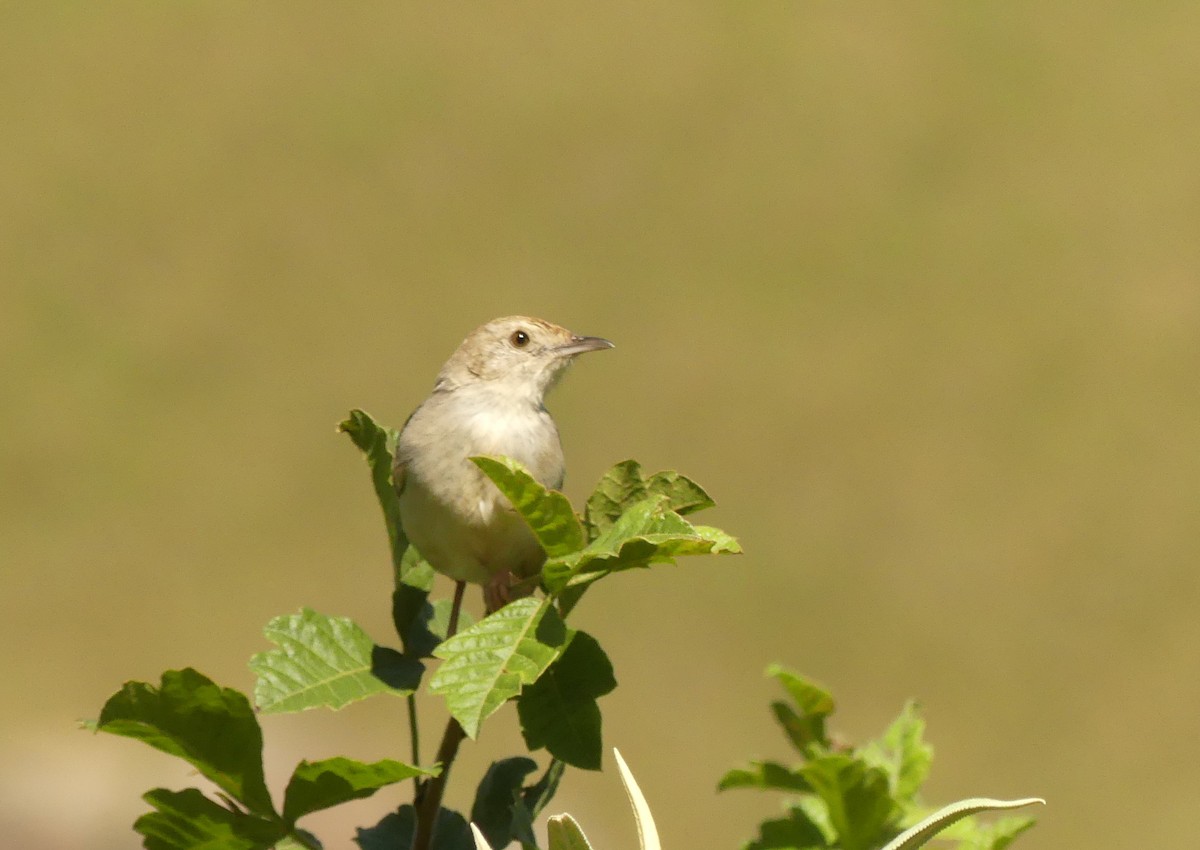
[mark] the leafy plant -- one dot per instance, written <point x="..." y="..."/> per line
<point x="524" y="653"/>
<point x="860" y="798"/>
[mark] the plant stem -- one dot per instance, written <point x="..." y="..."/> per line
<point x="414" y="739"/>
<point x="429" y="793"/>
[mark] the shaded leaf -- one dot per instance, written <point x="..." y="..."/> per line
<point x="559" y="710"/>
<point x="187" y="820"/>
<point x="326" y="661"/>
<point x="378" y="445"/>
<point x="538" y="795"/>
<point x="409" y="602"/>
<point x="806" y="724"/>
<point x="429" y="627"/>
<point x="189" y="716"/>
<point x="856" y="796"/>
<point x="321" y="784"/>
<point x="547" y="512"/>
<point x="563" y="833"/>
<point x="489" y="662"/>
<point x="797" y="831"/>
<point x="764" y="775"/>
<point x="497" y="798"/>
<point x="625" y="484"/>
<point x="397" y="829"/>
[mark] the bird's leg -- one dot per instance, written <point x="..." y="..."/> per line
<point x="455" y="608"/>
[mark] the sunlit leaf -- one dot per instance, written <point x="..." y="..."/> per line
<point x="564" y="834"/>
<point x="489" y="662"/>
<point x="856" y="796"/>
<point x="326" y="661"/>
<point x="625" y="484"/>
<point x="547" y="512"/>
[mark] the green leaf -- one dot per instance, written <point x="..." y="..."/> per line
<point x="397" y="830"/>
<point x="911" y="757"/>
<point x="497" y="798"/>
<point x="765" y="775"/>
<point x="649" y="532"/>
<point x="538" y="795"/>
<point x="806" y="725"/>
<point x="322" y="784"/>
<point x="625" y="484"/>
<point x="428" y="629"/>
<point x="489" y="662"/>
<point x="547" y="512"/>
<point x="920" y="833"/>
<point x="794" y="832"/>
<point x="564" y="833"/>
<point x="856" y="796"/>
<point x="559" y="710"/>
<point x="326" y="661"/>
<point x="187" y="820"/>
<point x="378" y="445"/>
<point x="189" y="716"/>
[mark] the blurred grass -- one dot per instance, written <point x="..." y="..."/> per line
<point x="912" y="292"/>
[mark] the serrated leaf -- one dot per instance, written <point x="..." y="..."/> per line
<point x="904" y="754"/>
<point x="321" y="784"/>
<point x="647" y="533"/>
<point x="764" y="775"/>
<point x="563" y="833"/>
<point x="625" y="484"/>
<point x="397" y="829"/>
<point x="496" y="798"/>
<point x="856" y="796"/>
<point x="187" y="820"/>
<point x="489" y="662"/>
<point x="920" y="833"/>
<point x="547" y="512"/>
<point x="559" y="710"/>
<point x="326" y="661"/>
<point x="189" y="716"/>
<point x="806" y="724"/>
<point x="378" y="445"/>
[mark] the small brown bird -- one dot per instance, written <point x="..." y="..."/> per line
<point x="488" y="400"/>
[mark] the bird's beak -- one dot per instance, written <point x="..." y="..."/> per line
<point x="580" y="344"/>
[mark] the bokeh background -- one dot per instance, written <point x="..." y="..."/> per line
<point x="912" y="290"/>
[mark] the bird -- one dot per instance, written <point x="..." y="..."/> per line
<point x="489" y="399"/>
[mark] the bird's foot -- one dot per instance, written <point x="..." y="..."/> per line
<point x="498" y="592"/>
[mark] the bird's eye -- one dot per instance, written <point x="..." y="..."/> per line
<point x="520" y="339"/>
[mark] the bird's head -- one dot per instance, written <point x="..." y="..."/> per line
<point x="516" y="355"/>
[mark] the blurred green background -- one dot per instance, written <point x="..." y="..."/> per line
<point x="912" y="290"/>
